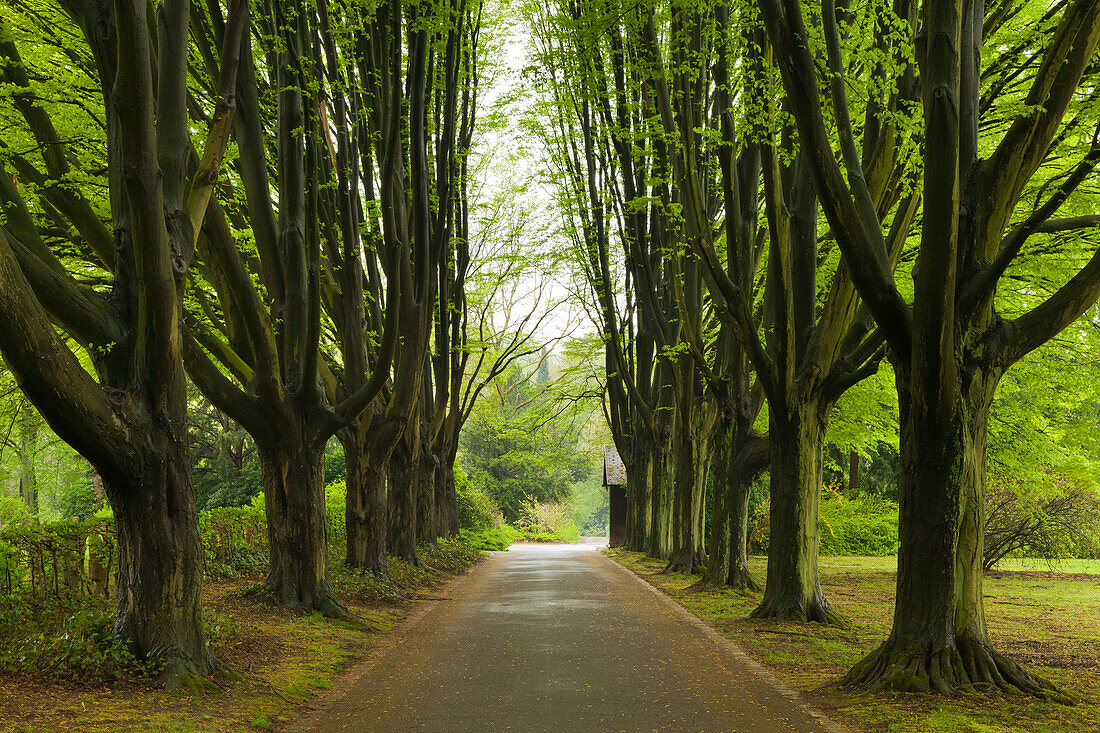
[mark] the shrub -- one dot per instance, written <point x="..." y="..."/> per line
<point x="13" y="510"/>
<point x="547" y="522"/>
<point x="476" y="509"/>
<point x="336" y="498"/>
<point x="492" y="538"/>
<point x="65" y="637"/>
<point x="864" y="525"/>
<point x="1053" y="521"/>
<point x="335" y="468"/>
<point x="213" y="492"/>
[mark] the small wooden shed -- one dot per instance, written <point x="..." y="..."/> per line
<point x="614" y="478"/>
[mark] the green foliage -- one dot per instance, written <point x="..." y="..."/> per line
<point x="547" y="522"/>
<point x="78" y="501"/>
<point x="65" y="638"/>
<point x="491" y="538"/>
<point x="335" y="468"/>
<point x="476" y="509"/>
<point x="336" y="498"/>
<point x="212" y="491"/>
<point x="863" y="525"/>
<point x="13" y="510"/>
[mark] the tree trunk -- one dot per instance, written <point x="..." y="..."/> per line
<point x="366" y="513"/>
<point x="28" y="449"/>
<point x="692" y="464"/>
<point x="446" y="499"/>
<point x="402" y="505"/>
<point x="792" y="590"/>
<point x="853" y="473"/>
<point x="638" y="475"/>
<point x="425" y="497"/>
<point x="661" y="487"/>
<point x="727" y="561"/>
<point x="939" y="640"/>
<point x="294" y="498"/>
<point x="159" y="578"/>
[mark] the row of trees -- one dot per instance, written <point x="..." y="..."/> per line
<point x="770" y="200"/>
<point x="270" y="202"/>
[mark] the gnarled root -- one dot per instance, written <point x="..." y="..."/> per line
<point x="738" y="579"/>
<point x="183" y="672"/>
<point x="686" y="561"/>
<point x="816" y="610"/>
<point x="908" y="666"/>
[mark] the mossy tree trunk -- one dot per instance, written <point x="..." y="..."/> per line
<point x="402" y="504"/>
<point x="793" y="590"/>
<point x="739" y="458"/>
<point x="292" y="473"/>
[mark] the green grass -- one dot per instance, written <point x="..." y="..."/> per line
<point x="1049" y="621"/>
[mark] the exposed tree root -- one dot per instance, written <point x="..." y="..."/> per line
<point x="182" y="672"/>
<point x="686" y="561"/>
<point x="909" y="666"/>
<point x="736" y="579"/>
<point x="815" y="610"/>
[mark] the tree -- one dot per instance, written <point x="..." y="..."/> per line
<point x="129" y="419"/>
<point x="951" y="346"/>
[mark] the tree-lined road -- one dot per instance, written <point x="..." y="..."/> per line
<point x="558" y="638"/>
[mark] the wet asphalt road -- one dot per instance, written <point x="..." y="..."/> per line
<point x="558" y="638"/>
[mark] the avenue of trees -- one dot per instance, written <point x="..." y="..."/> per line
<point x="237" y="234"/>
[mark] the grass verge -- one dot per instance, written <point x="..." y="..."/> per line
<point x="283" y="657"/>
<point x="1045" y="618"/>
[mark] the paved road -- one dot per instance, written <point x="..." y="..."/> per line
<point x="558" y="638"/>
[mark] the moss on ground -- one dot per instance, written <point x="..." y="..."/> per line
<point x="1045" y="618"/>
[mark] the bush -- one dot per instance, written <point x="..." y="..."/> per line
<point x="1052" y="521"/>
<point x="13" y="510"/>
<point x="79" y="500"/>
<point x="476" y="509"/>
<point x="864" y="525"/>
<point x="213" y="492"/>
<point x="65" y="638"/>
<point x="335" y="468"/>
<point x="546" y="522"/>
<point x="336" y="499"/>
<point x="492" y="538"/>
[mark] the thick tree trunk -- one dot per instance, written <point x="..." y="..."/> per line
<point x="425" y="497"/>
<point x="692" y="464"/>
<point x="294" y="498"/>
<point x="661" y="491"/>
<point x="638" y="479"/>
<point x="939" y="639"/>
<point x="366" y="514"/>
<point x="792" y="590"/>
<point x="159" y="577"/>
<point x="446" y="499"/>
<point x="727" y="561"/>
<point x="402" y="505"/>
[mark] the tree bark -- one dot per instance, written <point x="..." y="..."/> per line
<point x="638" y="480"/>
<point x="734" y="473"/>
<point x="446" y="499"/>
<point x="159" y="577"/>
<point x="402" y="505"/>
<point x="28" y="450"/>
<point x="366" y="514"/>
<point x="292" y="473"/>
<point x="692" y="465"/>
<point x="939" y="639"/>
<point x="661" y="488"/>
<point x="792" y="590"/>
<point x="424" y="477"/>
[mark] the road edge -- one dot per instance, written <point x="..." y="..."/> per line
<point x="314" y="709"/>
<point x="762" y="672"/>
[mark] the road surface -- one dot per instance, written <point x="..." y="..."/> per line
<point x="557" y="638"/>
